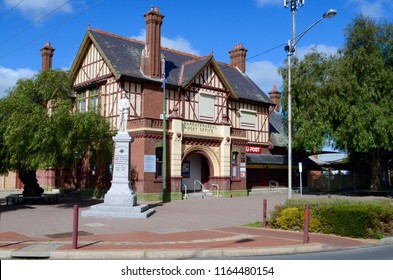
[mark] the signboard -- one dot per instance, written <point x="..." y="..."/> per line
<point x="254" y="150"/>
<point x="201" y="128"/>
<point x="150" y="163"/>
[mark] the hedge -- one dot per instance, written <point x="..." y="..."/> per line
<point x="365" y="219"/>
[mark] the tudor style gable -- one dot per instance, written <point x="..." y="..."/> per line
<point x="92" y="69"/>
<point x="206" y="91"/>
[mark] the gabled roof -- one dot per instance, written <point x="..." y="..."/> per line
<point x="123" y="56"/>
<point x="192" y="69"/>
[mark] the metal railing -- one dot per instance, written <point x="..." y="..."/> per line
<point x="218" y="189"/>
<point x="200" y="183"/>
<point x="273" y="184"/>
<point x="185" y="191"/>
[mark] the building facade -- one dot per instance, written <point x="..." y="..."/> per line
<point x="214" y="111"/>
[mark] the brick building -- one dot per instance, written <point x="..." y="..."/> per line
<point x="215" y="112"/>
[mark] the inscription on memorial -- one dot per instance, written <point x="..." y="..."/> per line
<point x="121" y="162"/>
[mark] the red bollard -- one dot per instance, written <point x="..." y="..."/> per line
<point x="306" y="224"/>
<point x="264" y="212"/>
<point x="75" y="228"/>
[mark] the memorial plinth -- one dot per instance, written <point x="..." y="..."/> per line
<point x="120" y="201"/>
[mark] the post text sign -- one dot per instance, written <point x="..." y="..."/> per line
<point x="254" y="150"/>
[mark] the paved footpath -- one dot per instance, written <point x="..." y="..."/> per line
<point x="211" y="228"/>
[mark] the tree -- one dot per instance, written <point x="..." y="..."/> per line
<point x="40" y="130"/>
<point x="348" y="97"/>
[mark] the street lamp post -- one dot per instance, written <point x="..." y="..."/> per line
<point x="164" y="132"/>
<point x="290" y="49"/>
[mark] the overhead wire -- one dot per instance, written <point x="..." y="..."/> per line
<point x="51" y="30"/>
<point x="34" y="23"/>
<point x="11" y="9"/>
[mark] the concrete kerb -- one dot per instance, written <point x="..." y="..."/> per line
<point x="186" y="254"/>
<point x="176" y="254"/>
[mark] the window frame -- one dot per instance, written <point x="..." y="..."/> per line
<point x="248" y="123"/>
<point x="207" y="106"/>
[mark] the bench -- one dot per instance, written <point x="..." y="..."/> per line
<point x="19" y="198"/>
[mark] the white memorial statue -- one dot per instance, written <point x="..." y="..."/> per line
<point x="123" y="107"/>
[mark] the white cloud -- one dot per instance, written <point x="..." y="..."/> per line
<point x="302" y="51"/>
<point x="36" y="9"/>
<point x="375" y="8"/>
<point x="264" y="74"/>
<point x="179" y="43"/>
<point x="268" y="2"/>
<point x="9" y="77"/>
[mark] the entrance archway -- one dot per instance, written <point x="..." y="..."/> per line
<point x="196" y="171"/>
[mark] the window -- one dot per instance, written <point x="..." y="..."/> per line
<point x="248" y="119"/>
<point x="87" y="100"/>
<point x="235" y="165"/>
<point x="93" y="100"/>
<point x="159" y="161"/>
<point x="206" y="106"/>
<point x="81" y="99"/>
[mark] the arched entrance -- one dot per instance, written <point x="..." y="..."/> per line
<point x="196" y="171"/>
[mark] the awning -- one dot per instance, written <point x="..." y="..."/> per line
<point x="329" y="158"/>
<point x="276" y="159"/>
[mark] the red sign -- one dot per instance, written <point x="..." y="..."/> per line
<point x="254" y="150"/>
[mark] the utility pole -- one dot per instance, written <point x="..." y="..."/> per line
<point x="293" y="5"/>
<point x="164" y="132"/>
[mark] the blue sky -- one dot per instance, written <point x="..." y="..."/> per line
<point x="199" y="27"/>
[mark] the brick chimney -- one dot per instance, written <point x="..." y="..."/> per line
<point x="46" y="55"/>
<point x="238" y="57"/>
<point x="275" y="98"/>
<point x="151" y="55"/>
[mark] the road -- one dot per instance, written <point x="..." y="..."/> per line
<point x="383" y="252"/>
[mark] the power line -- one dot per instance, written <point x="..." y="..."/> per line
<point x="37" y="21"/>
<point x="11" y="9"/>
<point x="264" y="52"/>
<point x="51" y="30"/>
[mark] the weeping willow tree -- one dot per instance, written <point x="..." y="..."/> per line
<point x="39" y="129"/>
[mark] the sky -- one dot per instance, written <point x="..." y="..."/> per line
<point x="199" y="27"/>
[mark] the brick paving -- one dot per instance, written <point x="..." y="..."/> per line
<point x="181" y="226"/>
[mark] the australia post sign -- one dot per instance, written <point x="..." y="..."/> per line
<point x="254" y="150"/>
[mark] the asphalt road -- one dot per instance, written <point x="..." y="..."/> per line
<point x="383" y="252"/>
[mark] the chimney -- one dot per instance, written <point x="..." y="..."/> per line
<point x="238" y="57"/>
<point x="275" y="98"/>
<point x="46" y="55"/>
<point x="151" y="56"/>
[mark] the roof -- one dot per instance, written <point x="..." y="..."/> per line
<point x="278" y="131"/>
<point x="277" y="159"/>
<point x="123" y="56"/>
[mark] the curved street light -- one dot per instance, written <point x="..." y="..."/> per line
<point x="290" y="49"/>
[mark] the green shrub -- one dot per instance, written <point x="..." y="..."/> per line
<point x="289" y="218"/>
<point x="372" y="219"/>
<point x="293" y="218"/>
<point x="348" y="220"/>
